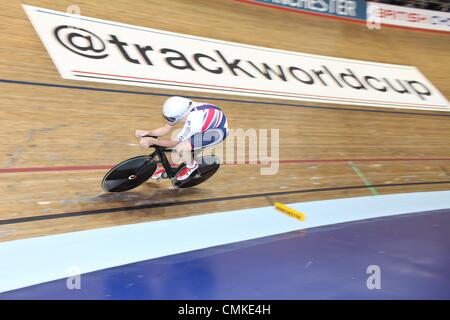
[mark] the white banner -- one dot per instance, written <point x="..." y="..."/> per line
<point x="90" y="49"/>
<point x="408" y="17"/>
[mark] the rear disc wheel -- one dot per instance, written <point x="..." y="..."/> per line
<point x="206" y="169"/>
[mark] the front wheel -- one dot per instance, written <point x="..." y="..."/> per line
<point x="129" y="174"/>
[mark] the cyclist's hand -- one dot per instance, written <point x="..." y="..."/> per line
<point x="147" y="142"/>
<point x="141" y="133"/>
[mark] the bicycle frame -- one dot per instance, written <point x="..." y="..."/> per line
<point x="134" y="171"/>
<point x="161" y="153"/>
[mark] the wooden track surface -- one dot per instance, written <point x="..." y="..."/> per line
<point x="53" y="127"/>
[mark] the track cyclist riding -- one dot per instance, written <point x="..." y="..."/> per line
<point x="204" y="125"/>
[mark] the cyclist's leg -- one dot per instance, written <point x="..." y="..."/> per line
<point x="208" y="138"/>
<point x="185" y="152"/>
<point x="197" y="142"/>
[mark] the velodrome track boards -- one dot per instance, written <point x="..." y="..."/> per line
<point x="59" y="137"/>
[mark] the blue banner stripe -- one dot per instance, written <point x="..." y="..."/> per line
<point x="350" y="9"/>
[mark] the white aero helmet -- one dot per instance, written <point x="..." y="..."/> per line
<point x="176" y="108"/>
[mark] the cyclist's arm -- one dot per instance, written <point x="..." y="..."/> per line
<point x="185" y="134"/>
<point x="158" y="132"/>
<point x="168" y="143"/>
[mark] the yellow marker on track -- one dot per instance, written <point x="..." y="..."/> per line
<point x="289" y="211"/>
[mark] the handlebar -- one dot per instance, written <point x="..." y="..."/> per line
<point x="157" y="147"/>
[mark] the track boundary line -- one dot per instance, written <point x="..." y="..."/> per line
<point x="60" y="86"/>
<point x="291" y="161"/>
<point x="186" y="202"/>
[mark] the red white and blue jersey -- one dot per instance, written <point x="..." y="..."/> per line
<point x="202" y="118"/>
